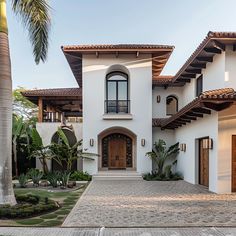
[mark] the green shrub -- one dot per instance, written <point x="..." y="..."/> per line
<point x="36" y="175"/>
<point x="169" y="176"/>
<point x="28" y="198"/>
<point x="80" y="176"/>
<point x="23" y="180"/>
<point x="28" y="205"/>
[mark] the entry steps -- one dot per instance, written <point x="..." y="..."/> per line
<point x="117" y="175"/>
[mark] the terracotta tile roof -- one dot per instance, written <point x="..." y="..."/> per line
<point x="131" y="47"/>
<point x="219" y="93"/>
<point x="216" y="97"/>
<point x="210" y="37"/>
<point x="53" y="92"/>
<point x="212" y="40"/>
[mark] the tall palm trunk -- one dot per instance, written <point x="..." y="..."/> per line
<point x="6" y="189"/>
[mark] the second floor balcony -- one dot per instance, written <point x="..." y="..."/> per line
<point x="117" y="106"/>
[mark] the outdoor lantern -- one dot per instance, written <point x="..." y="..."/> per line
<point x="91" y="142"/>
<point x="182" y="147"/>
<point x="143" y="142"/>
<point x="158" y="98"/>
<point x="207" y="143"/>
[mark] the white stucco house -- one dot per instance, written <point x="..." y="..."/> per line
<point x="123" y="105"/>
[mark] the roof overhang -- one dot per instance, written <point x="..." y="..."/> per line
<point x="216" y="100"/>
<point x="215" y="43"/>
<point x="160" y="55"/>
<point x="62" y="99"/>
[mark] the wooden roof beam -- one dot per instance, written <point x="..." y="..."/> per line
<point x="218" y="45"/>
<point x="189" y="75"/>
<point x="205" y="59"/>
<point x="198" y="65"/>
<point x="213" y="50"/>
<point x="194" y="71"/>
<point x="189" y="117"/>
<point x="194" y="114"/>
<point x="184" y="80"/>
<point x="202" y="110"/>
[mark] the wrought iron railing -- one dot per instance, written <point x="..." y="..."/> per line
<point x="117" y="106"/>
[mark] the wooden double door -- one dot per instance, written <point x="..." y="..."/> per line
<point x="203" y="164"/>
<point x="117" y="151"/>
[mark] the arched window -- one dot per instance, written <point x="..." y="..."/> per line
<point x="171" y="105"/>
<point x="117" y="95"/>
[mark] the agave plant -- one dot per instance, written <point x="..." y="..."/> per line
<point x="160" y="154"/>
<point x="53" y="178"/>
<point x="23" y="180"/>
<point x="64" y="178"/>
<point x="36" y="175"/>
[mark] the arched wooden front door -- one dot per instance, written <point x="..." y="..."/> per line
<point x="117" y="151"/>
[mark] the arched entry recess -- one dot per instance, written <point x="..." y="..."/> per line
<point x="69" y="133"/>
<point x="117" y="149"/>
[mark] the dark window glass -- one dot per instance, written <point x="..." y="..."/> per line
<point x="199" y="86"/>
<point x="171" y="105"/>
<point x="117" y="93"/>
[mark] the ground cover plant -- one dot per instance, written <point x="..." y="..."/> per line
<point x="66" y="200"/>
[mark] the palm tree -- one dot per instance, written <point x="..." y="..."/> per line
<point x="35" y="17"/>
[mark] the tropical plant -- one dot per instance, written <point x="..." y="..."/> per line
<point x="36" y="175"/>
<point x="23" y="180"/>
<point x="38" y="150"/>
<point x="53" y="178"/>
<point x="160" y="154"/>
<point x="19" y="132"/>
<point x="64" y="178"/>
<point x="23" y="107"/>
<point x="80" y="176"/>
<point x="62" y="152"/>
<point x="35" y="17"/>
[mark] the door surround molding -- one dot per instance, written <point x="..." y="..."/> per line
<point x="123" y="131"/>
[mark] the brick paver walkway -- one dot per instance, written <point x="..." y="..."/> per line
<point x="27" y="231"/>
<point x="151" y="204"/>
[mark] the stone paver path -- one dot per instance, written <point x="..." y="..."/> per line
<point x="26" y="231"/>
<point x="151" y="204"/>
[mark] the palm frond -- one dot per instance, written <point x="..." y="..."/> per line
<point x="36" y="19"/>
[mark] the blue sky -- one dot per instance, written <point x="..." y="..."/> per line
<point x="182" y="23"/>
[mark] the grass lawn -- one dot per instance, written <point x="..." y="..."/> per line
<point x="67" y="201"/>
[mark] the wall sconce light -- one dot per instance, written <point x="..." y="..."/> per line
<point x="143" y="142"/>
<point x="91" y="142"/>
<point x="158" y="98"/>
<point x="207" y="143"/>
<point x="182" y="147"/>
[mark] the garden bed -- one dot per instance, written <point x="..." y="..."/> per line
<point x="65" y="198"/>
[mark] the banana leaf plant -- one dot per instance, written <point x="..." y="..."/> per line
<point x="19" y="133"/>
<point x="63" y="152"/>
<point x="38" y="150"/>
<point x="160" y="154"/>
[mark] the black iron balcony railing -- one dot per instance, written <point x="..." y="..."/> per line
<point x="117" y="106"/>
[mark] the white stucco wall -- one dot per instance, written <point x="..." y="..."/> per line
<point x="188" y="161"/>
<point x="230" y="68"/>
<point x="159" y="109"/>
<point x="227" y="128"/>
<point x="47" y="130"/>
<point x="140" y="80"/>
<point x="214" y="74"/>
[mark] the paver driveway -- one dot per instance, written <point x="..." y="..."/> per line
<point x="151" y="204"/>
